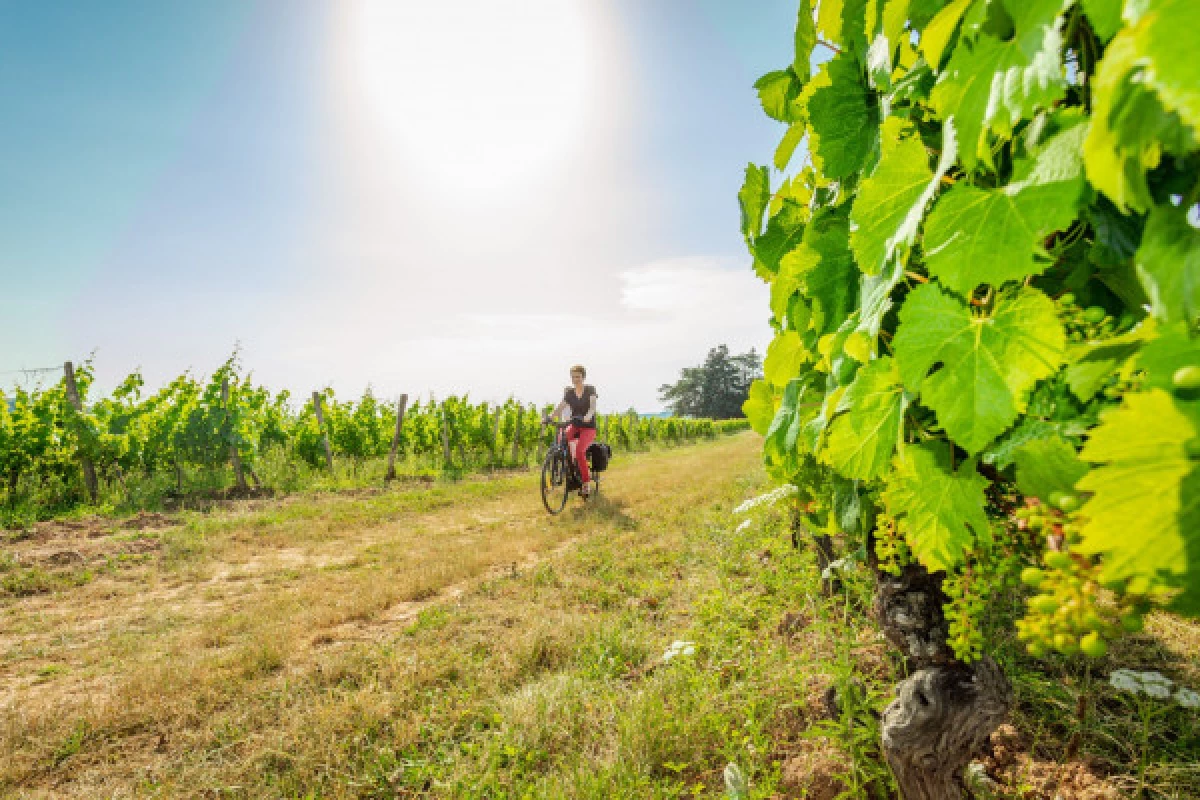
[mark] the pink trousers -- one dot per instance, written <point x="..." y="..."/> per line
<point x="584" y="438"/>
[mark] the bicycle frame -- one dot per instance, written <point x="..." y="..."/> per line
<point x="560" y="441"/>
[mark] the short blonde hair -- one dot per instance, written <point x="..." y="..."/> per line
<point x="579" y="368"/>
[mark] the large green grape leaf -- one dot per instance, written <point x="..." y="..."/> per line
<point x="988" y="362"/>
<point x="937" y="318"/>
<point x="863" y="438"/>
<point x="786" y="354"/>
<point x="935" y="38"/>
<point x="752" y="200"/>
<point x="991" y="236"/>
<point x="759" y="407"/>
<point x="1135" y="514"/>
<point x="841" y="117"/>
<point x="1168" y="263"/>
<point x="890" y="204"/>
<point x="939" y="510"/>
<point x="1048" y="465"/>
<point x="831" y="280"/>
<point x="990" y="85"/>
<point x="1146" y="100"/>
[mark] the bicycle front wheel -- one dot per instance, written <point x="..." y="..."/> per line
<point x="554" y="482"/>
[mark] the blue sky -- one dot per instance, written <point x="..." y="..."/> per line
<point x="420" y="197"/>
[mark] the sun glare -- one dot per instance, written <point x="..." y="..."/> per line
<point x="473" y="95"/>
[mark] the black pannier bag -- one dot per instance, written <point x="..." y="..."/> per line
<point x="598" y="454"/>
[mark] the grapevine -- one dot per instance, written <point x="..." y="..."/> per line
<point x="984" y="271"/>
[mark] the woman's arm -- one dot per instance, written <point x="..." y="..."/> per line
<point x="558" y="409"/>
<point x="591" y="414"/>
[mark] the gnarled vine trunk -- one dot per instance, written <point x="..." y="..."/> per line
<point x="944" y="712"/>
<point x="908" y="607"/>
<point x="940" y="719"/>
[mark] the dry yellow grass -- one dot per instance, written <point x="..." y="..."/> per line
<point x="141" y="676"/>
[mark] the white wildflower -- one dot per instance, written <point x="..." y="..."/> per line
<point x="1125" y="680"/>
<point x="736" y="786"/>
<point x="1187" y="698"/>
<point x="769" y="499"/>
<point x="1153" y="684"/>
<point x="679" y="648"/>
<point x="844" y="564"/>
<point x="1156" y="690"/>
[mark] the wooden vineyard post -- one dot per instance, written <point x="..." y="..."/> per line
<point x="445" y="440"/>
<point x="496" y="436"/>
<point x="89" y="469"/>
<point x="234" y="456"/>
<point x="517" y="435"/>
<point x="324" y="432"/>
<point x="541" y="440"/>
<point x="400" y="407"/>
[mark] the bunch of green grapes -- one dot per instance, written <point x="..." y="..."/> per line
<point x="890" y="549"/>
<point x="969" y="595"/>
<point x="1064" y="615"/>
<point x="1091" y="323"/>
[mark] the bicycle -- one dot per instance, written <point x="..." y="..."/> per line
<point x="560" y="472"/>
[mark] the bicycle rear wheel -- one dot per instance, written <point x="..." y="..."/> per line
<point x="554" y="482"/>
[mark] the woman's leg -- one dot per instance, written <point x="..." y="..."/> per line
<point x="586" y="437"/>
<point x="573" y="441"/>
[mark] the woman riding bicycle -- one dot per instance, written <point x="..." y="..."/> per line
<point x="581" y="399"/>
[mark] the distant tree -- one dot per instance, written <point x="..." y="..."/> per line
<point x="716" y="389"/>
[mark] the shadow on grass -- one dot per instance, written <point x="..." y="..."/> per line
<point x="608" y="509"/>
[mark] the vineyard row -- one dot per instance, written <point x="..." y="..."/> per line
<point x="60" y="448"/>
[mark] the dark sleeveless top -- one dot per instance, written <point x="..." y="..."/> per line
<point x="581" y="405"/>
